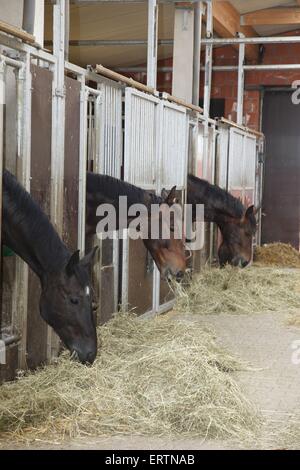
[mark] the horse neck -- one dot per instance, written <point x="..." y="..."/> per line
<point x="103" y="189"/>
<point x="28" y="231"/>
<point x="218" y="203"/>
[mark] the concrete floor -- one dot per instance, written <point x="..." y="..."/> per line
<point x="264" y="341"/>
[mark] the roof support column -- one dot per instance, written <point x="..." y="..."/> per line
<point x="152" y="43"/>
<point x="183" y="51"/>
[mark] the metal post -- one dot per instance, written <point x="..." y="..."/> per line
<point x="20" y="288"/>
<point x="58" y="138"/>
<point x="82" y="166"/>
<point x="197" y="51"/>
<point x="2" y="108"/>
<point x="67" y="28"/>
<point x="241" y="82"/>
<point x="152" y="43"/>
<point x="208" y="60"/>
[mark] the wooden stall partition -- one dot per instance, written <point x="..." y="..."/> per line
<point x="40" y="190"/>
<point x="71" y="165"/>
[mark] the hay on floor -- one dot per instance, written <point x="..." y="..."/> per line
<point x="157" y="377"/>
<point x="234" y="290"/>
<point x="277" y="254"/>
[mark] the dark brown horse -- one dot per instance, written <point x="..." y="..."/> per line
<point x="66" y="300"/>
<point x="237" y="223"/>
<point x="168" y="253"/>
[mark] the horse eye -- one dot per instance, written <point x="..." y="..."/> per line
<point x="74" y="300"/>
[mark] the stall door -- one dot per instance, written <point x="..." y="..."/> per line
<point x="281" y="196"/>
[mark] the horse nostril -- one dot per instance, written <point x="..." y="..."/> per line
<point x="245" y="263"/>
<point x="179" y="275"/>
<point x="90" y="357"/>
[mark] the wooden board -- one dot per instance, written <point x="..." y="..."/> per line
<point x="40" y="190"/>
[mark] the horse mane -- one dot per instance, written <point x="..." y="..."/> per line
<point x="37" y="240"/>
<point x="216" y="199"/>
<point x="112" y="188"/>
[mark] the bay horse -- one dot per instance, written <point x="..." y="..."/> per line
<point x="237" y="223"/>
<point x="65" y="302"/>
<point x="168" y="254"/>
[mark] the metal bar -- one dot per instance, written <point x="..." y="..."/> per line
<point x="9" y="338"/>
<point x="67" y="28"/>
<point x="93" y="2"/>
<point x="11" y="62"/>
<point x="255" y="40"/>
<point x="216" y="68"/>
<point x="2" y="114"/>
<point x="197" y="51"/>
<point x="152" y="43"/>
<point x="112" y="42"/>
<point x="13" y="43"/>
<point x="20" y="288"/>
<point x="82" y="166"/>
<point x="272" y="67"/>
<point x="241" y="83"/>
<point x="208" y="61"/>
<point x="58" y="139"/>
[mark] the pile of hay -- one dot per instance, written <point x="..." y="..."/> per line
<point x="234" y="290"/>
<point x="277" y="254"/>
<point x="157" y="377"/>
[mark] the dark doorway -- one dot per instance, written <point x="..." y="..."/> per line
<point x="281" y="200"/>
<point x="217" y="107"/>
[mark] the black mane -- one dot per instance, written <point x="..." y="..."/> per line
<point x="28" y="231"/>
<point x="217" y="201"/>
<point x="112" y="188"/>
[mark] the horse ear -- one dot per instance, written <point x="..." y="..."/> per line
<point x="73" y="261"/>
<point x="250" y="211"/>
<point x="89" y="258"/>
<point x="164" y="193"/>
<point x="171" y="197"/>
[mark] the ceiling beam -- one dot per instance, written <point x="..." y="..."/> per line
<point x="227" y="24"/>
<point x="272" y="16"/>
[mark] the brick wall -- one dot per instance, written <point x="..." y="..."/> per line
<point x="224" y="84"/>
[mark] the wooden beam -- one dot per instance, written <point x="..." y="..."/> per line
<point x="227" y="24"/>
<point x="16" y="32"/>
<point x="270" y="16"/>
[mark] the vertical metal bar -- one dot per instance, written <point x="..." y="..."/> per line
<point x="67" y="28"/>
<point x="152" y="43"/>
<point x="241" y="81"/>
<point x="20" y="288"/>
<point x="82" y="165"/>
<point x="2" y="107"/>
<point x="213" y="179"/>
<point x="197" y="51"/>
<point x="58" y="138"/>
<point x="208" y="60"/>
